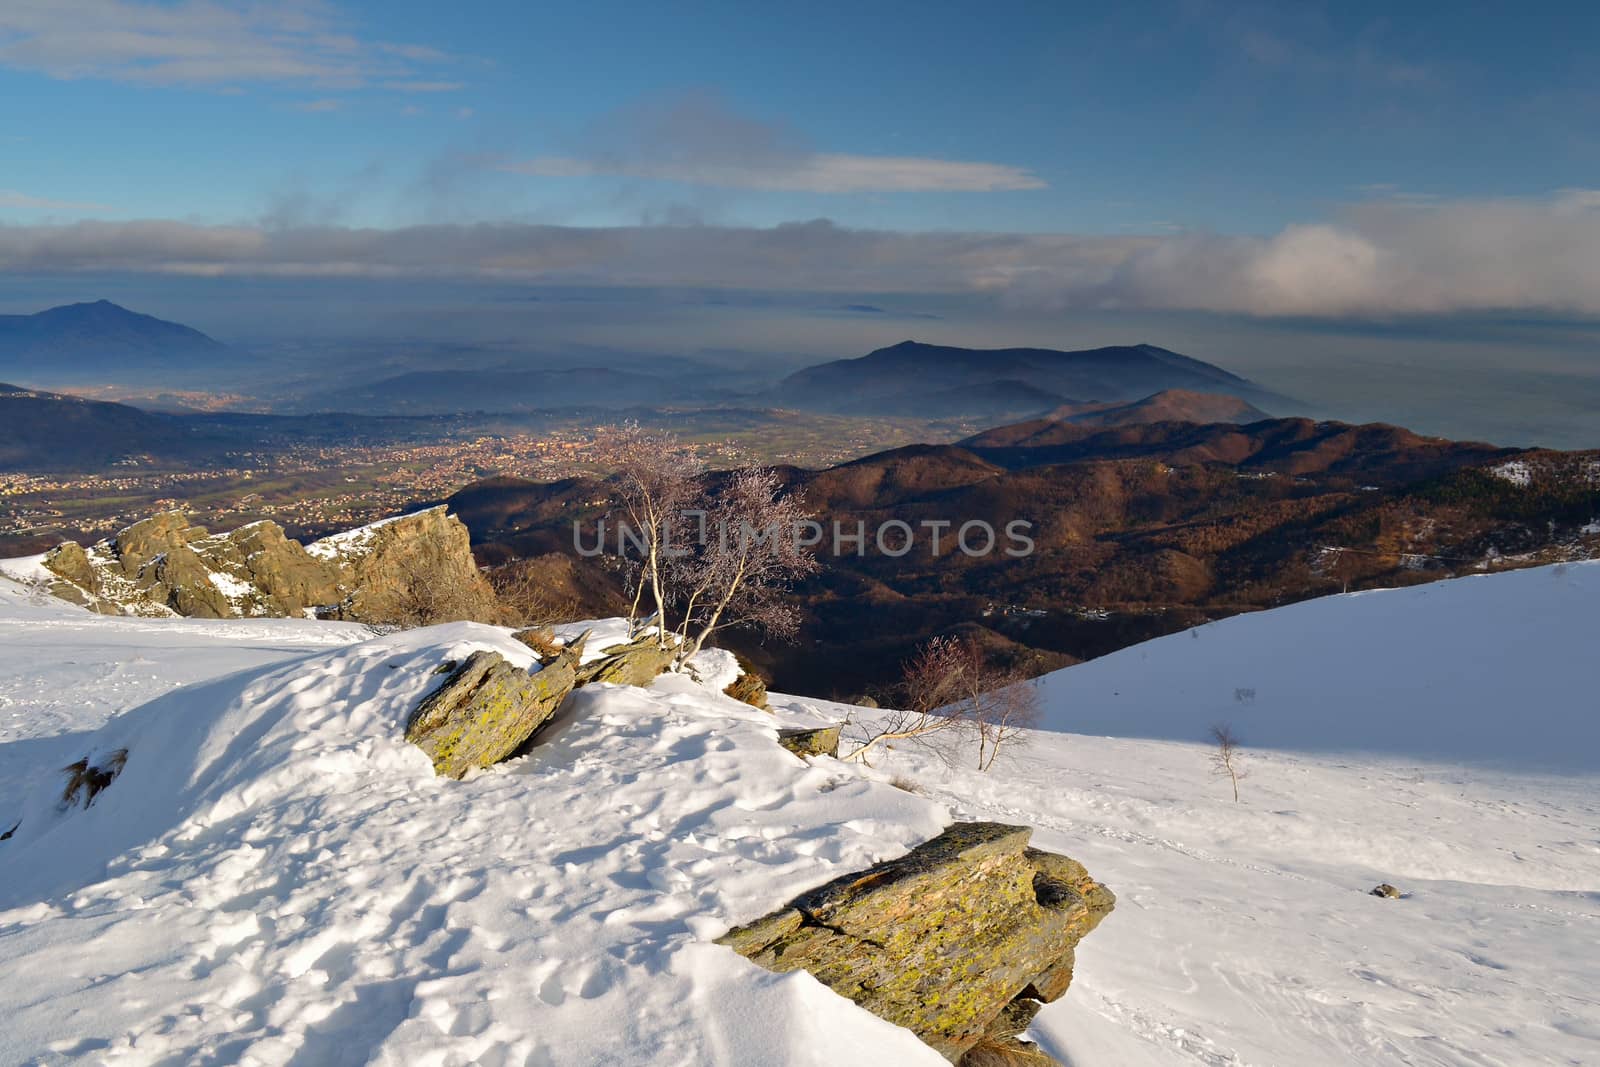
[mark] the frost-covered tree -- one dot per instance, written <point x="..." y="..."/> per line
<point x="657" y="479"/>
<point x="953" y="695"/>
<point x="740" y="567"/>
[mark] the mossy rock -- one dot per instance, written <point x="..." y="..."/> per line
<point x="487" y="709"/>
<point x="637" y="663"/>
<point x="958" y="941"/>
<point x="823" y="741"/>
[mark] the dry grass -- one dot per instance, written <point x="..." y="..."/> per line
<point x="542" y="640"/>
<point x="907" y="784"/>
<point x="1005" y="1052"/>
<point x="85" y="781"/>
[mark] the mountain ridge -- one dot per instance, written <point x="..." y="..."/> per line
<point x="908" y="377"/>
<point x="82" y="341"/>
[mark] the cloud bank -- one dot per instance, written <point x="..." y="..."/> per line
<point x="1381" y="259"/>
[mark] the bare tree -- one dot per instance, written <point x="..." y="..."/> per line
<point x="657" y="480"/>
<point x="1005" y="706"/>
<point x="526" y="597"/>
<point x="740" y="567"/>
<point x="1225" y="760"/>
<point x="931" y="712"/>
<point x="422" y="593"/>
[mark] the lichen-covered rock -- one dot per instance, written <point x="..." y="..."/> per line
<point x="637" y="663"/>
<point x="959" y="940"/>
<point x="822" y="741"/>
<point x="487" y="709"/>
<point x="1384" y="889"/>
<point x="749" y="688"/>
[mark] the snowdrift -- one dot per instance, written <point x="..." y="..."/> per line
<point x="1498" y="669"/>
<point x="277" y="877"/>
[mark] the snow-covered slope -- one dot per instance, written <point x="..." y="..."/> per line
<point x="1499" y="669"/>
<point x="276" y="878"/>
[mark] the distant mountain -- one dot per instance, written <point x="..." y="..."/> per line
<point x="1138" y="531"/>
<point x="912" y="378"/>
<point x="1169" y="405"/>
<point x="42" y="431"/>
<point x="1376" y="453"/>
<point x="99" y="341"/>
<point x="51" y="432"/>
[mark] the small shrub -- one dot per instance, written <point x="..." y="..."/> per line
<point x="542" y="640"/>
<point x="1005" y="1052"/>
<point x="86" y="780"/>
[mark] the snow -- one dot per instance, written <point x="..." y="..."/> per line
<point x="237" y="591"/>
<point x="277" y="878"/>
<point x="1515" y="471"/>
<point x="351" y="543"/>
<point x="25" y="569"/>
<point x="1495" y="669"/>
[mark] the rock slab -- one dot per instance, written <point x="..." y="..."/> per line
<point x="960" y="940"/>
<point x="637" y="663"/>
<point x="487" y="709"/>
<point x="823" y="741"/>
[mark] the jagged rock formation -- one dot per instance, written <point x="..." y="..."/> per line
<point x="487" y="709"/>
<point x="960" y="941"/>
<point x="412" y="569"/>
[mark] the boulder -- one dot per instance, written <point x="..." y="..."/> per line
<point x="959" y="941"/>
<point x="68" y="560"/>
<point x="1384" y="889"/>
<point x="750" y="688"/>
<point x="487" y="709"/>
<point x="822" y="741"/>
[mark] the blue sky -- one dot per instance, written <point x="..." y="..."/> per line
<point x="1151" y="118"/>
<point x="1344" y="200"/>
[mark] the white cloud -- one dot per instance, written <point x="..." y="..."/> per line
<point x="10" y="198"/>
<point x="318" y="105"/>
<point x="699" y="138"/>
<point x="201" y="42"/>
<point x="1381" y="259"/>
<point x="814" y="173"/>
<point x="425" y="86"/>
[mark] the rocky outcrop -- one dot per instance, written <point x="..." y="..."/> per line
<point x="487" y="709"/>
<point x="411" y="570"/>
<point x="395" y="571"/>
<point x="960" y="941"/>
<point x="822" y="741"/>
